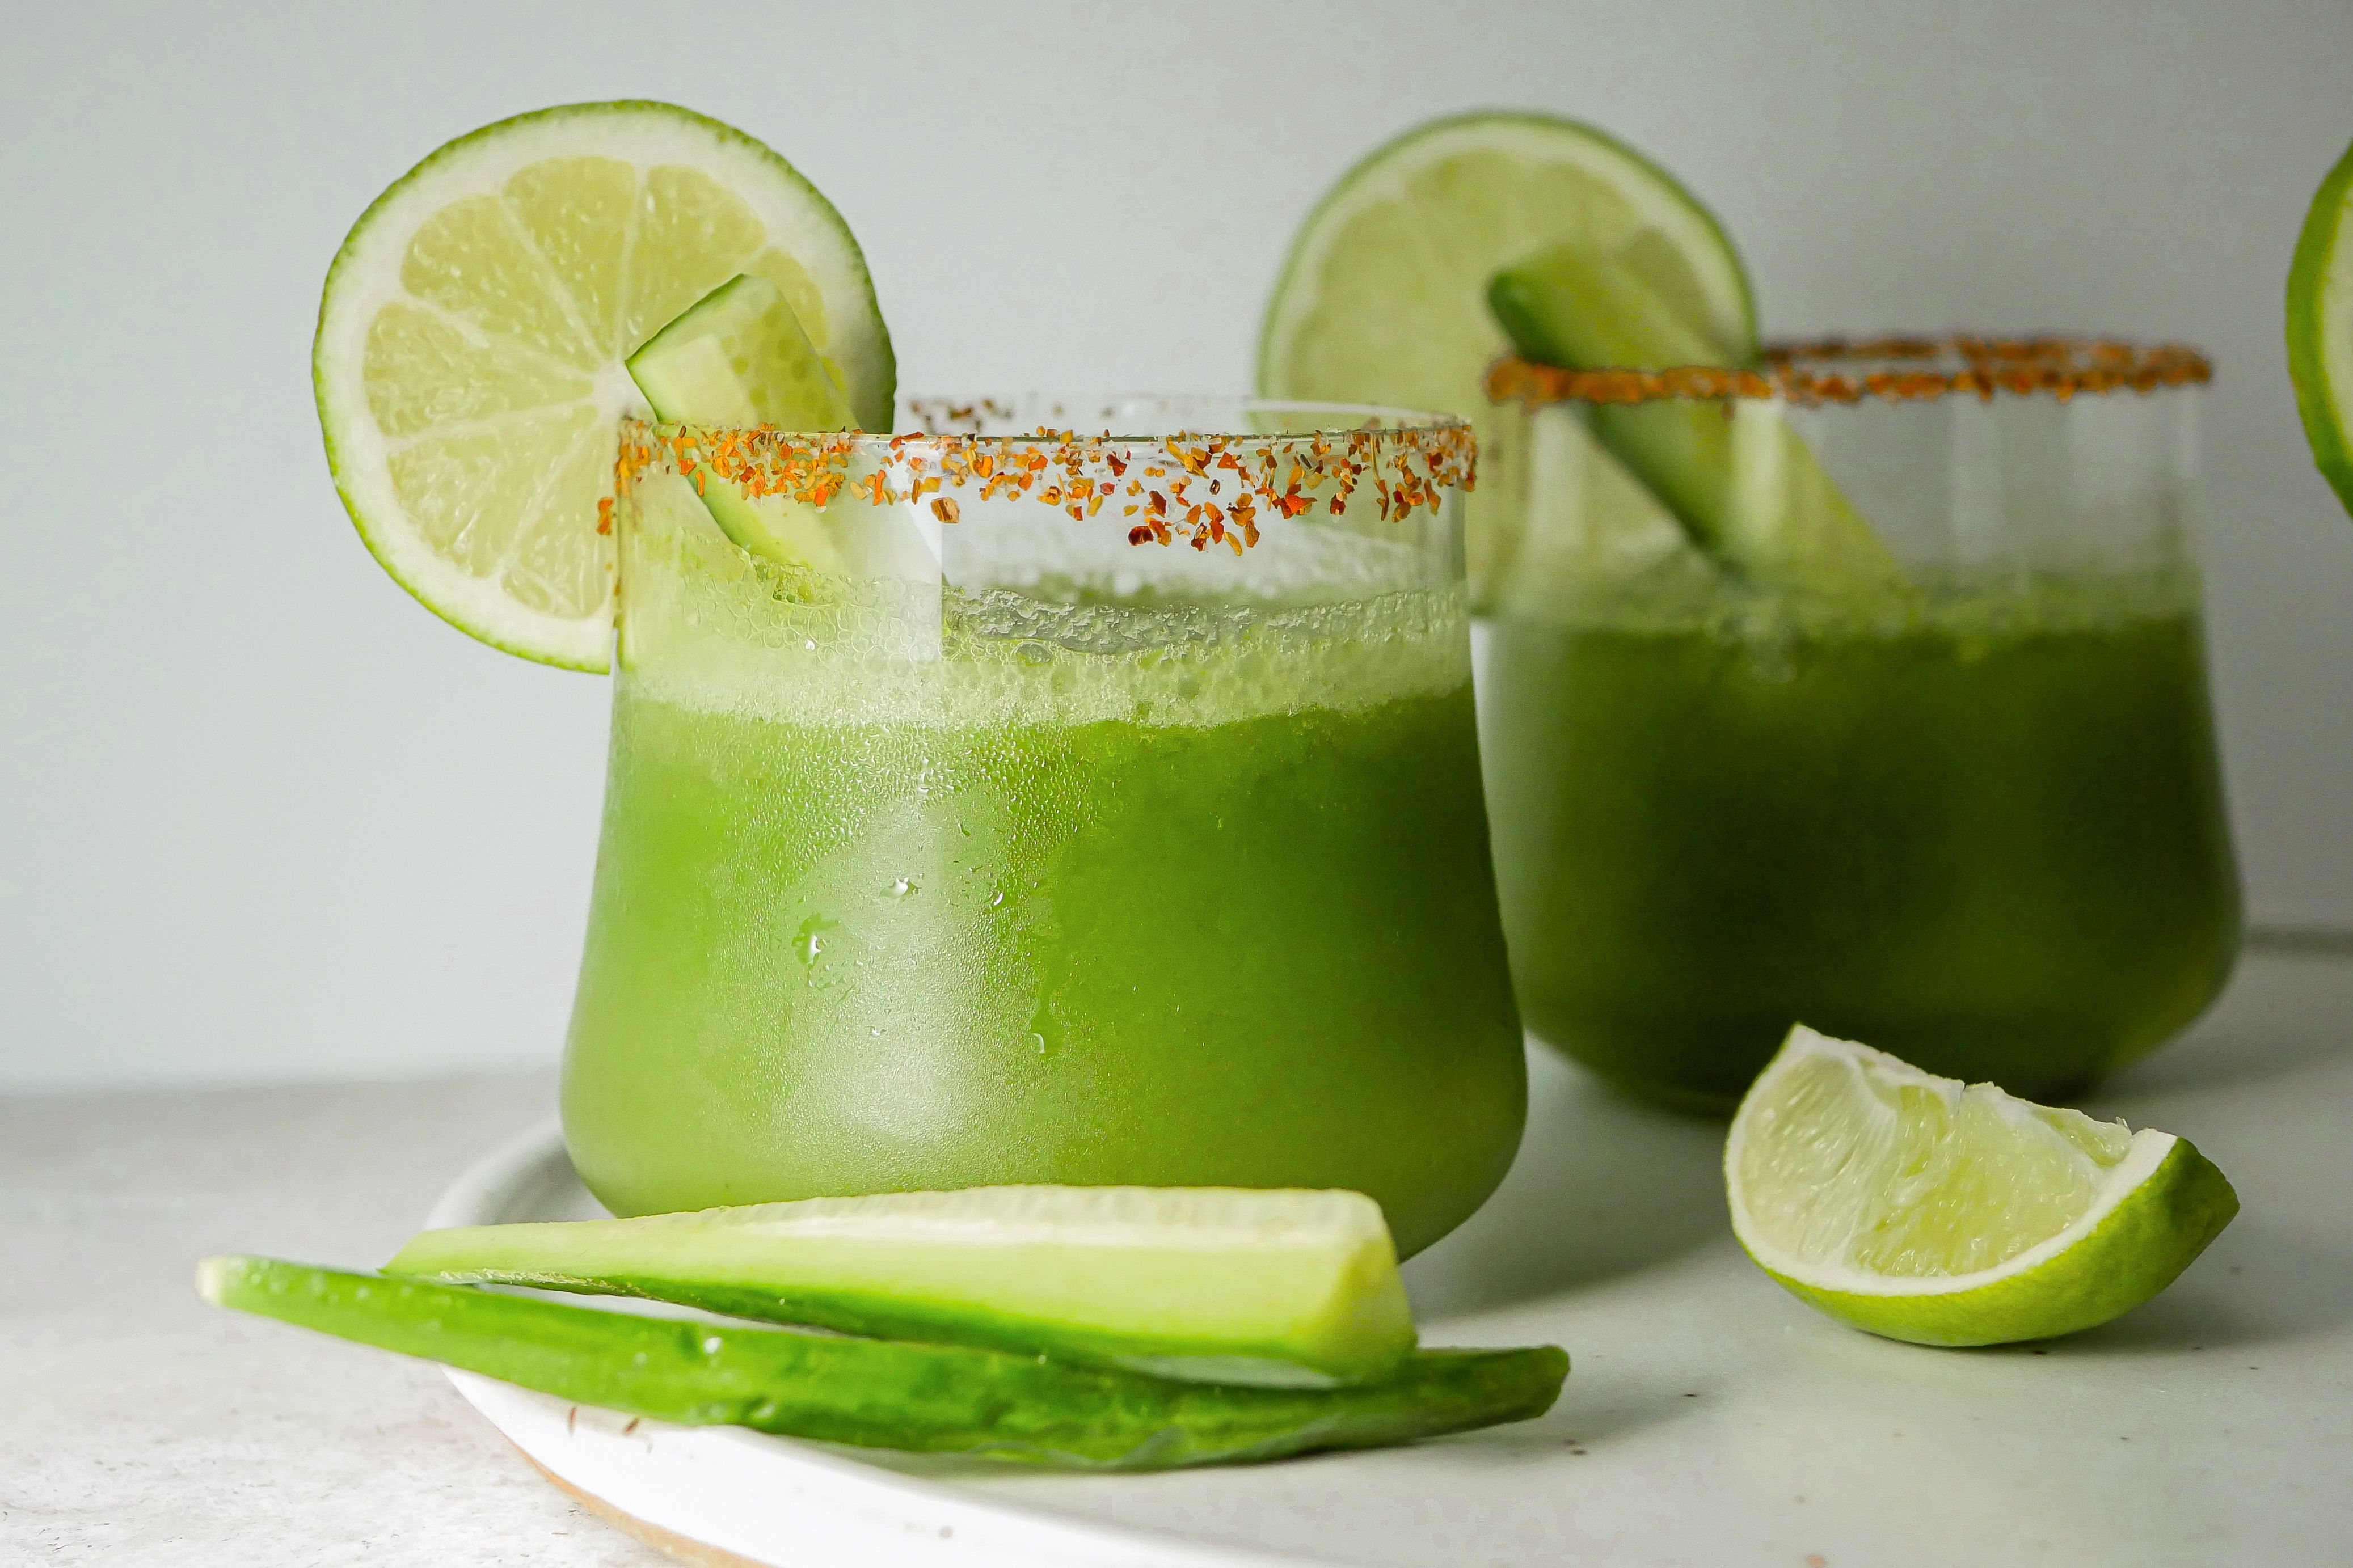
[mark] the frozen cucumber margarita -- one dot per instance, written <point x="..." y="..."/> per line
<point x="986" y="803"/>
<point x="1074" y="859"/>
<point x="1859" y="683"/>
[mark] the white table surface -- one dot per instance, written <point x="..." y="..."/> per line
<point x="1710" y="1419"/>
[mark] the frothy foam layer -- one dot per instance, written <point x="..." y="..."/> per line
<point x="1314" y="559"/>
<point x="1964" y="605"/>
<point x="706" y="628"/>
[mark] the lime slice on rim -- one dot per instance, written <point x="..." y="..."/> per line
<point x="1384" y="296"/>
<point x="468" y="359"/>
<point x="1923" y="1209"/>
<point x="2320" y="327"/>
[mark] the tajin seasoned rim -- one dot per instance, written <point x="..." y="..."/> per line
<point x="1895" y="370"/>
<point x="1195" y="488"/>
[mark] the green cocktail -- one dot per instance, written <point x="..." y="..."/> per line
<point x="1967" y="808"/>
<point x="1989" y="838"/>
<point x="1072" y="860"/>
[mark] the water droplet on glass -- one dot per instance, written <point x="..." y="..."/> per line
<point x="809" y="942"/>
<point x="1034" y="653"/>
<point x="997" y="897"/>
<point x="902" y="887"/>
<point x="1040" y="1042"/>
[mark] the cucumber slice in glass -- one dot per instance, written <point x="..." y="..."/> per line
<point x="738" y="358"/>
<point x="878" y="1393"/>
<point x="1745" y="486"/>
<point x="1382" y="297"/>
<point x="1212" y="1284"/>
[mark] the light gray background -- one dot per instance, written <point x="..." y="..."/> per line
<point x="262" y="816"/>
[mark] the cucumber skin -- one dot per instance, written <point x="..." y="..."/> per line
<point x="879" y="1317"/>
<point x="880" y="1394"/>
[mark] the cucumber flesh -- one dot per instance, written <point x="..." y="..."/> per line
<point x="1745" y="486"/>
<point x="1212" y="1284"/>
<point x="877" y="1394"/>
<point x="735" y="359"/>
<point x="738" y="357"/>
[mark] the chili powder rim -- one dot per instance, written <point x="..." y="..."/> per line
<point x="1901" y="370"/>
<point x="1198" y="488"/>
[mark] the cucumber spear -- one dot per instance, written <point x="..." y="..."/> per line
<point x="1746" y="490"/>
<point x="1213" y="1284"/>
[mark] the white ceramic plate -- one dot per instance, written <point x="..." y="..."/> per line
<point x="722" y="1494"/>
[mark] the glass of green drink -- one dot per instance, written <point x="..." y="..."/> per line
<point x="1866" y="688"/>
<point x="1023" y="805"/>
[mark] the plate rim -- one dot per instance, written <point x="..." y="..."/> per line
<point x="716" y="1490"/>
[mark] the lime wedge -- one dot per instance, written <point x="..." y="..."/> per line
<point x="1383" y="298"/>
<point x="469" y="359"/>
<point x="1746" y="487"/>
<point x="2320" y="327"/>
<point x="1212" y="1284"/>
<point x="1923" y="1209"/>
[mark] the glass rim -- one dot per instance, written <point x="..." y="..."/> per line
<point x="946" y="415"/>
<point x="1893" y="369"/>
<point x="1197" y="488"/>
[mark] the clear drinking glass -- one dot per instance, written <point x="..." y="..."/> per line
<point x="1953" y="792"/>
<point x="989" y="804"/>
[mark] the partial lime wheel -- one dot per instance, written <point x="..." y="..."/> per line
<point x="1384" y="296"/>
<point x="470" y="356"/>
<point x="1924" y="1209"/>
<point x="2320" y="327"/>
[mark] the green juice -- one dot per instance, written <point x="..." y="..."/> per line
<point x="1092" y="911"/>
<point x="1986" y="835"/>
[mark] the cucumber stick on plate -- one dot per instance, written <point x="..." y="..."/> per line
<point x="1216" y="1284"/>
